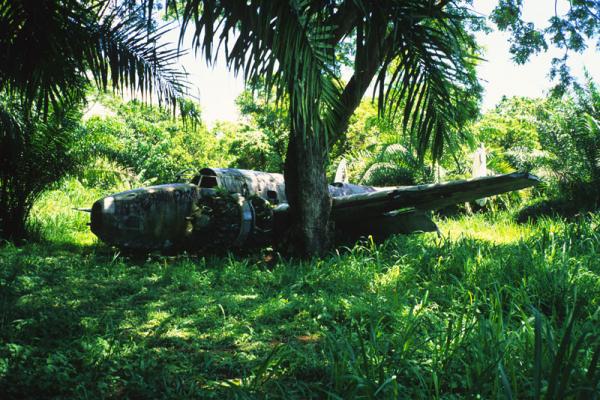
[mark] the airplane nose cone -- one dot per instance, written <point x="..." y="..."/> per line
<point x="144" y="219"/>
<point x="97" y="214"/>
<point x="96" y="218"/>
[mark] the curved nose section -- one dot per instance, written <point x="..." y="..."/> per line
<point x="144" y="219"/>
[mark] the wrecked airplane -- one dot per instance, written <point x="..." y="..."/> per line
<point x="234" y="208"/>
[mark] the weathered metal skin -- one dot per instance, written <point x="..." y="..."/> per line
<point x="339" y="189"/>
<point x="247" y="183"/>
<point x="156" y="217"/>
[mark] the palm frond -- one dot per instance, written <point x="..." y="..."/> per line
<point x="285" y="42"/>
<point x="393" y="165"/>
<point x="11" y="126"/>
<point x="418" y="50"/>
<point x="47" y="48"/>
<point x="134" y="58"/>
<point x="427" y="72"/>
<point x="36" y="153"/>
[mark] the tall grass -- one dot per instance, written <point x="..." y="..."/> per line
<point x="489" y="309"/>
<point x="54" y="217"/>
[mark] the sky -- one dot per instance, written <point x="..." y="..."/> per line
<point x="217" y="87"/>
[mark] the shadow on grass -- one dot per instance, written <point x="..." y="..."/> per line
<point x="83" y="320"/>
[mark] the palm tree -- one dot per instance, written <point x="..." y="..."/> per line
<point x="417" y="53"/>
<point x="37" y="151"/>
<point x="49" y="51"/>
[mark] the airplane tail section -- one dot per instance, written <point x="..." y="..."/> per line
<point x="480" y="168"/>
<point x="341" y="174"/>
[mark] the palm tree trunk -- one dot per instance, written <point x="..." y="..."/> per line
<point x="308" y="195"/>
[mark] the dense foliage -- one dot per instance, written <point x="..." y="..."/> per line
<point x="153" y="144"/>
<point x="570" y="132"/>
<point x="557" y="138"/>
<point x="50" y="50"/>
<point x="487" y="308"/>
<point x="263" y="136"/>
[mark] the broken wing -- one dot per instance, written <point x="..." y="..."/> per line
<point x="426" y="197"/>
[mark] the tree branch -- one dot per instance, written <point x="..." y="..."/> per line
<point x="344" y="20"/>
<point x="369" y="56"/>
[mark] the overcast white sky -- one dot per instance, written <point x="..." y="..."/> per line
<point x="217" y="87"/>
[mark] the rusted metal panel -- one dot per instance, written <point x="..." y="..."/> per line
<point x="248" y="183"/>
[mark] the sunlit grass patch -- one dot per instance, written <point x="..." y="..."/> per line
<point x="54" y="216"/>
<point x="501" y="229"/>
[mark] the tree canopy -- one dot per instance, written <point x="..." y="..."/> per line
<point x="569" y="29"/>
<point x="49" y="51"/>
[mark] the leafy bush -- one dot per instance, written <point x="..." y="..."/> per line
<point x="378" y="153"/>
<point x="104" y="174"/>
<point x="260" y="141"/>
<point x="54" y="218"/>
<point x="148" y="141"/>
<point x="394" y="165"/>
<point x="511" y="124"/>
<point x="509" y="133"/>
<point x="557" y="139"/>
<point x="571" y="134"/>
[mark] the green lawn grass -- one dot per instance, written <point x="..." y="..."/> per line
<point x="489" y="308"/>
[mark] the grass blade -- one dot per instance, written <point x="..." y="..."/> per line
<point x="537" y="355"/>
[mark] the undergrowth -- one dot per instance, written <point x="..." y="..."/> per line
<point x="488" y="309"/>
